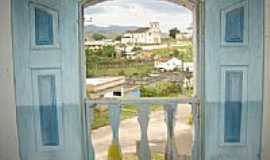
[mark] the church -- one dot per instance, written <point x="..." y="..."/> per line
<point x="143" y="35"/>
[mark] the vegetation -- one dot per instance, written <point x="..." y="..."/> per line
<point x="183" y="52"/>
<point x="135" y="49"/>
<point x="101" y="114"/>
<point x="106" y="51"/>
<point x="155" y="156"/>
<point x="173" y="32"/>
<point x="118" y="38"/>
<point x="116" y="70"/>
<point x="98" y="36"/>
<point x="162" y="89"/>
<point x="103" y="62"/>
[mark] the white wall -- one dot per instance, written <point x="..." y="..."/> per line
<point x="8" y="128"/>
<point x="266" y="110"/>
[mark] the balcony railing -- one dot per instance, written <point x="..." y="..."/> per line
<point x="143" y="110"/>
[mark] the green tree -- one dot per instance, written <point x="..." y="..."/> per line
<point x="109" y="51"/>
<point x="98" y="36"/>
<point x="162" y="89"/>
<point x="173" y="32"/>
<point x="175" y="53"/>
<point x="118" y="38"/>
<point x="135" y="49"/>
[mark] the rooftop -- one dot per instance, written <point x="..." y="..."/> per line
<point x="139" y="30"/>
<point x="102" y="80"/>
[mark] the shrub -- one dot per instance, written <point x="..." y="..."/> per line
<point x="162" y="89"/>
<point x="122" y="73"/>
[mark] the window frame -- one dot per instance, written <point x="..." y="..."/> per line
<point x="55" y="25"/>
<point x="244" y="110"/>
<point x="224" y="11"/>
<point x="56" y="73"/>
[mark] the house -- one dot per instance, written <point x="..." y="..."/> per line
<point x="107" y="87"/>
<point x="131" y="55"/>
<point x="188" y="66"/>
<point x="143" y="35"/>
<point x="183" y="36"/>
<point x="128" y="51"/>
<point x="100" y="44"/>
<point x="168" y="65"/>
<point x="146" y="55"/>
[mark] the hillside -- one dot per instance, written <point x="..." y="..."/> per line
<point x="110" y="32"/>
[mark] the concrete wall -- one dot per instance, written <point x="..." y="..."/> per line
<point x="266" y="111"/>
<point x="8" y="127"/>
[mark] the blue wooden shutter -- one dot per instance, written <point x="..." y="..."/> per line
<point x="233" y="106"/>
<point x="48" y="110"/>
<point x="235" y="25"/>
<point x="43" y="27"/>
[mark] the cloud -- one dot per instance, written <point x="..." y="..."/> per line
<point x="139" y="13"/>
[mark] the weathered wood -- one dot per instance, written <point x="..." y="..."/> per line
<point x="143" y="104"/>
<point x="140" y="101"/>
<point x="143" y="118"/>
<point x="47" y="67"/>
<point x="170" y="151"/>
<point x="89" y="118"/>
<point x="114" y="152"/>
<point x="114" y="114"/>
<point x="222" y="56"/>
<point x="196" y="129"/>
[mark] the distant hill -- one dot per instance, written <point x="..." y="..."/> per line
<point x="110" y="32"/>
<point x="109" y="29"/>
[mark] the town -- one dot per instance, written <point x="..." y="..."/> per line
<point x="135" y="79"/>
<point x="141" y="62"/>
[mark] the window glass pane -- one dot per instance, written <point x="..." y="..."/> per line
<point x="233" y="106"/>
<point x="43" y="27"/>
<point x="48" y="110"/>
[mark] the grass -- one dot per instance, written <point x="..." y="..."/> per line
<point x="127" y="71"/>
<point x="164" y="52"/>
<point x="184" y="52"/>
<point x="101" y="115"/>
<point x="155" y="156"/>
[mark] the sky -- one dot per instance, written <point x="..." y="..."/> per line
<point x="139" y="13"/>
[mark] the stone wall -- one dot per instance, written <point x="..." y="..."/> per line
<point x="266" y="110"/>
<point x="8" y="127"/>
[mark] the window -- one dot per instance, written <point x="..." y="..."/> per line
<point x="233" y="106"/>
<point x="48" y="110"/>
<point x="47" y="99"/>
<point x="235" y="25"/>
<point x="117" y="94"/>
<point x="43" y="28"/>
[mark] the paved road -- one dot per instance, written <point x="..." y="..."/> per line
<point x="130" y="133"/>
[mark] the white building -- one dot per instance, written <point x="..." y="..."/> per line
<point x="188" y="66"/>
<point x="100" y="44"/>
<point x="144" y="35"/>
<point x="107" y="87"/>
<point x="183" y="36"/>
<point x="169" y="65"/>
